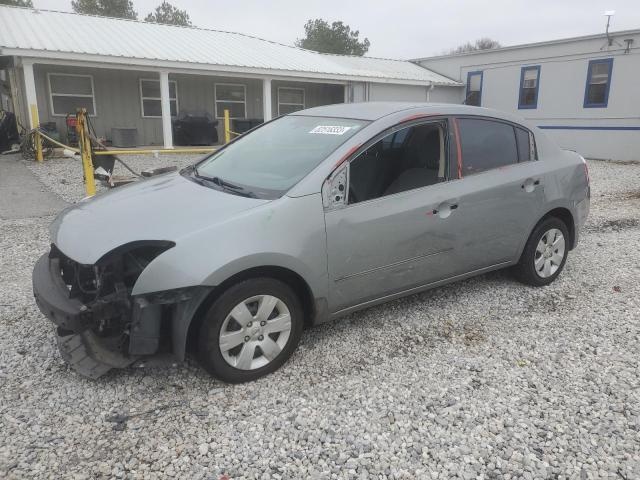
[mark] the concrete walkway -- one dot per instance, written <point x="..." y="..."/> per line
<point x="21" y="193"/>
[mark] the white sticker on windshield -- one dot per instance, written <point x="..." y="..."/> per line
<point x="330" y="129"/>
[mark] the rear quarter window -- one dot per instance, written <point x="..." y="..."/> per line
<point x="486" y="144"/>
<point x="526" y="150"/>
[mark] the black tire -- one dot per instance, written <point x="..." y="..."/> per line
<point x="209" y="353"/>
<point x="524" y="270"/>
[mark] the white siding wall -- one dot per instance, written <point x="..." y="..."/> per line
<point x="400" y="93"/>
<point x="563" y="73"/>
<point x="362" y="92"/>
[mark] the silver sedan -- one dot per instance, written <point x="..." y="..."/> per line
<point x="307" y="218"/>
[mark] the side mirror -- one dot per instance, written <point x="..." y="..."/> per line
<point x="334" y="189"/>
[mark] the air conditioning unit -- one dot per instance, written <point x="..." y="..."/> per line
<point x="124" y="137"/>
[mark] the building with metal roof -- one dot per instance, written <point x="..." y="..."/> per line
<point x="138" y="75"/>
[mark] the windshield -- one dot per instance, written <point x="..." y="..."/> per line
<point x="270" y="160"/>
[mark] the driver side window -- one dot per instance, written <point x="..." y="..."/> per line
<point x="409" y="158"/>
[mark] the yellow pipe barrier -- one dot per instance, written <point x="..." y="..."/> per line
<point x="227" y="127"/>
<point x="36" y="124"/>
<point x="152" y="151"/>
<point x="85" y="148"/>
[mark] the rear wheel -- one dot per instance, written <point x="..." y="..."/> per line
<point x="250" y="330"/>
<point x="544" y="254"/>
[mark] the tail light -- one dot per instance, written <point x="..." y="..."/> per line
<point x="586" y="170"/>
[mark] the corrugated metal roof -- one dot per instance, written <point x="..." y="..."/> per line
<point x="61" y="34"/>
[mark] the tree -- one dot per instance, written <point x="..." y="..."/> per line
<point x="106" y="8"/>
<point x="334" y="38"/>
<point x="167" y="13"/>
<point x="484" y="43"/>
<point x="17" y="3"/>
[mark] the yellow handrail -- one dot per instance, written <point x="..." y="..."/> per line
<point x="36" y="138"/>
<point x="85" y="148"/>
<point x="149" y="151"/>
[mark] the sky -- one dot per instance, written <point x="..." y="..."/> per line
<point x="405" y="29"/>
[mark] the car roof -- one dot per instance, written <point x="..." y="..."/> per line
<point x="375" y="110"/>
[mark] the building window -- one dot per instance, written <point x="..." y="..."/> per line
<point x="231" y="97"/>
<point x="151" y="101"/>
<point x="290" y="100"/>
<point x="474" y="89"/>
<point x="529" y="83"/>
<point x="598" y="82"/>
<point x="70" y="92"/>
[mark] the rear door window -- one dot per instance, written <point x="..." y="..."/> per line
<point x="486" y="144"/>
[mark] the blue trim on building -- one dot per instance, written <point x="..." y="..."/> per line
<point x="477" y="72"/>
<point x="576" y="127"/>
<point x="522" y="72"/>
<point x="586" y="104"/>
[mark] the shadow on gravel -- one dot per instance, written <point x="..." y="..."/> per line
<point x="612" y="225"/>
<point x="413" y="325"/>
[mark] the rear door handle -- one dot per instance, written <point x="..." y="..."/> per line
<point x="530" y="184"/>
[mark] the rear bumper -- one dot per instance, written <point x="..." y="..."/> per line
<point x="52" y="297"/>
<point x="582" y="212"/>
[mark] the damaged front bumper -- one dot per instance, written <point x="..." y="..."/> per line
<point x="98" y="332"/>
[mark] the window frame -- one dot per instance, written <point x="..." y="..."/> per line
<point x="287" y="103"/>
<point x="466" y="96"/>
<point x="458" y="145"/>
<point x="605" y="104"/>
<point x="82" y="95"/>
<point x="523" y="70"/>
<point x="143" y="98"/>
<point x="216" y="101"/>
<point x="443" y="121"/>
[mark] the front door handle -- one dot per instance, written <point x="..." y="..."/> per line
<point x="444" y="209"/>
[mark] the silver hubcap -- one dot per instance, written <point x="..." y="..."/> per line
<point x="255" y="332"/>
<point x="549" y="253"/>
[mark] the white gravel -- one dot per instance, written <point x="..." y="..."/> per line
<point x="64" y="175"/>
<point x="481" y="379"/>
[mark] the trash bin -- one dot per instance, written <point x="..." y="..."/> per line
<point x="8" y="130"/>
<point x="195" y="128"/>
<point x="241" y="125"/>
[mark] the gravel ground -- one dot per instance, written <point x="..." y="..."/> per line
<point x="482" y="379"/>
<point x="64" y="175"/>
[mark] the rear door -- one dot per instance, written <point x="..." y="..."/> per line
<point x="500" y="190"/>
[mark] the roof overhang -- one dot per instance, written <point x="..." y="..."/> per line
<point x="128" y="63"/>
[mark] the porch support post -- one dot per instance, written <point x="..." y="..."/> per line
<point x="266" y="99"/>
<point x="165" y="103"/>
<point x="347" y="88"/>
<point x="30" y="91"/>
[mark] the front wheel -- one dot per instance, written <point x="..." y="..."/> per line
<point x="544" y="254"/>
<point x="250" y="330"/>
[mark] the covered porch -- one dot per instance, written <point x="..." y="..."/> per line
<point x="148" y="101"/>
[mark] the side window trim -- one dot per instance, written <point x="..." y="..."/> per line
<point x="443" y="121"/>
<point x="605" y="103"/>
<point x="523" y="72"/>
<point x="458" y="145"/>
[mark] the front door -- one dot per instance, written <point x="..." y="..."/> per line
<point x="399" y="227"/>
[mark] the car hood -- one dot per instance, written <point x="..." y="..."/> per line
<point x="167" y="207"/>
